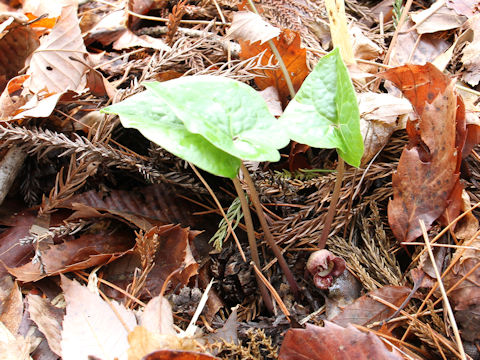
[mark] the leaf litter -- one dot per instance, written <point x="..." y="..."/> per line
<point x="111" y="259"/>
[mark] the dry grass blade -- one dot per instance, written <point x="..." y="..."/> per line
<point x="453" y="323"/>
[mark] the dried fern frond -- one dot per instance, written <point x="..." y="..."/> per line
<point x="42" y="141"/>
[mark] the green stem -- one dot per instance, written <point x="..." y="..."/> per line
<point x="333" y="203"/>
<point x="267" y="233"/>
<point x="252" y="242"/>
<point x="275" y="52"/>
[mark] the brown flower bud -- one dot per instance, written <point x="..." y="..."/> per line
<point x="323" y="266"/>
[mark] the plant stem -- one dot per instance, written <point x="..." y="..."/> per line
<point x="333" y="203"/>
<point x="252" y="242"/>
<point x="266" y="231"/>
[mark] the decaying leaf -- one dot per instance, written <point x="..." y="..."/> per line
<point x="17" y="42"/>
<point x="294" y="57"/>
<point x="428" y="171"/>
<point x="412" y="48"/>
<point x="333" y="342"/>
<point x="248" y="26"/>
<point x="51" y="68"/>
<point x="464" y="7"/>
<point x="92" y="327"/>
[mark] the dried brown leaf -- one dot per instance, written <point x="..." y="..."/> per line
<point x="426" y="183"/>
<point x="17" y="42"/>
<point x="11" y="304"/>
<point x="248" y="26"/>
<point x="89" y="318"/>
<point x="86" y="251"/>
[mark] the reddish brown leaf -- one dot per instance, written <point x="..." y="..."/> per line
<point x="428" y="171"/>
<point x="294" y="57"/>
<point x="86" y="251"/>
<point x="17" y="42"/>
<point x="366" y="310"/>
<point x="333" y="342"/>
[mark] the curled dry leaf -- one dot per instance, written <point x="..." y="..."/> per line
<point x="91" y="327"/>
<point x="11" y="304"/>
<point x="426" y="182"/>
<point x="379" y="118"/>
<point x="248" y="26"/>
<point x="294" y="57"/>
<point x="333" y="342"/>
<point x="426" y="47"/>
<point x="17" y="42"/>
<point x="49" y="319"/>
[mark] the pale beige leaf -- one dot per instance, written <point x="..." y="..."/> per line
<point x="251" y="27"/>
<point x="157" y="316"/>
<point x="471" y="53"/>
<point x="270" y="95"/>
<point x="379" y="115"/>
<point x="51" y="68"/>
<point x="11" y="304"/>
<point x="128" y="40"/>
<point x="48" y="319"/>
<point x="91" y="327"/>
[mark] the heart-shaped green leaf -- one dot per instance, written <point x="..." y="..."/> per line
<point x="324" y="113"/>
<point x="229" y="114"/>
<point x="150" y="115"/>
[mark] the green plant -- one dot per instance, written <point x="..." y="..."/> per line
<point x="215" y="123"/>
<point x="324" y="114"/>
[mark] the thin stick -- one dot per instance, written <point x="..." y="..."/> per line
<point x="252" y="242"/>
<point x="333" y="203"/>
<point x="453" y="322"/>
<point x="229" y="224"/>
<point x="267" y="233"/>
